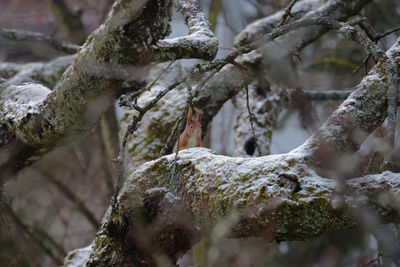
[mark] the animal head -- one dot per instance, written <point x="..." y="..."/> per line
<point x="193" y="122"/>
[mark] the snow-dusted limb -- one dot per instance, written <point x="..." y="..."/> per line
<point x="88" y="86"/>
<point x="277" y="197"/>
<point x="201" y="41"/>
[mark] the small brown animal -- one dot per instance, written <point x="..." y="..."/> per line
<point x="191" y="136"/>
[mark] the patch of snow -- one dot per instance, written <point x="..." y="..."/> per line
<point x="78" y="257"/>
<point x="20" y="100"/>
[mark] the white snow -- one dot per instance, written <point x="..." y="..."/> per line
<point x="20" y="100"/>
<point x="78" y="257"/>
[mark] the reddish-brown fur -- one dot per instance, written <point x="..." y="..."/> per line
<point x="191" y="136"/>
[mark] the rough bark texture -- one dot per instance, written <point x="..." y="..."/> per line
<point x="128" y="36"/>
<point x="363" y="111"/>
<point x="45" y="73"/>
<point x="158" y="217"/>
<point x="146" y="143"/>
<point x="265" y="104"/>
<point x="278" y="197"/>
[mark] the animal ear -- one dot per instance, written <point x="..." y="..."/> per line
<point x="198" y="115"/>
<point x="189" y="116"/>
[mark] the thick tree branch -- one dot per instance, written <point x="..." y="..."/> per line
<point x="228" y="80"/>
<point x="45" y="73"/>
<point x="363" y="111"/>
<point x="275" y="197"/>
<point x="90" y="84"/>
<point x="201" y="41"/>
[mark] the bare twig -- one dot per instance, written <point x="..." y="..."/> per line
<point x="121" y="157"/>
<point x="189" y="104"/>
<point x="328" y="95"/>
<point x="382" y="35"/>
<point x="133" y="97"/>
<point x="40" y="241"/>
<point x="72" y="197"/>
<point x="364" y="63"/>
<point x="173" y="180"/>
<point x="22" y="35"/>
<point x="251" y="115"/>
<point x="286" y="13"/>
<point x="251" y="118"/>
<point x="178" y="127"/>
<point x="109" y="139"/>
<point x="374" y="37"/>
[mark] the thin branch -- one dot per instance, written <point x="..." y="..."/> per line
<point x="328" y="95"/>
<point x="189" y="104"/>
<point x="73" y="198"/>
<point x="178" y="128"/>
<point x="124" y="101"/>
<point x="382" y="35"/>
<point x="69" y="22"/>
<point x="174" y="182"/>
<point x="251" y="118"/>
<point x="121" y="157"/>
<point x="23" y="35"/>
<point x="108" y="140"/>
<point x="38" y="240"/>
<point x="374" y="37"/>
<point x="364" y="63"/>
<point x="286" y="13"/>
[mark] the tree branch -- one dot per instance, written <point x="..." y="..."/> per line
<point x="42" y="240"/>
<point x="69" y="23"/>
<point x="82" y="93"/>
<point x="22" y="35"/>
<point x="269" y="201"/>
<point x="72" y="197"/>
<point x="201" y="41"/>
<point x="328" y="95"/>
<point x="363" y="111"/>
<point x="45" y="73"/>
<point x="225" y="83"/>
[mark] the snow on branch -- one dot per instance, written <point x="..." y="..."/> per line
<point x="81" y="96"/>
<point x="260" y="27"/>
<point x="45" y="73"/>
<point x="225" y="83"/>
<point x="363" y="111"/>
<point x="201" y="41"/>
<point x="96" y="76"/>
<point x="276" y="197"/>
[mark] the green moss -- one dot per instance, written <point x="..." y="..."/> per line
<point x="103" y="249"/>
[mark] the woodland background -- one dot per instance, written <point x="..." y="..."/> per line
<point x="56" y="205"/>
